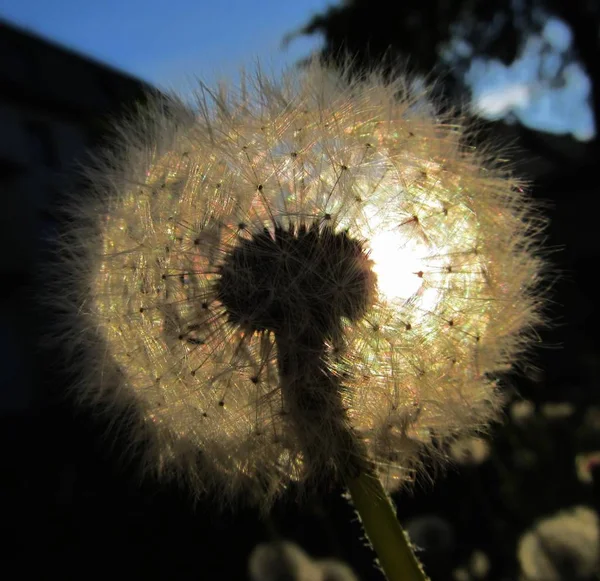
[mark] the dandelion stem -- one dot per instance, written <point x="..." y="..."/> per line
<point x="314" y="397"/>
<point x="390" y="542"/>
<point x="317" y="395"/>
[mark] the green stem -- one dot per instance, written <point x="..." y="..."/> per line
<point x="390" y="542"/>
<point x="313" y="394"/>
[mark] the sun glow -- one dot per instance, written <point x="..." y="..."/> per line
<point x="398" y="264"/>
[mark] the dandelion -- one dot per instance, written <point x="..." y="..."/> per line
<point x="297" y="282"/>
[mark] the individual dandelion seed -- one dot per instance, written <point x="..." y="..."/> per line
<point x="298" y="280"/>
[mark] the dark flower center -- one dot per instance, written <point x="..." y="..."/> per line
<point x="294" y="279"/>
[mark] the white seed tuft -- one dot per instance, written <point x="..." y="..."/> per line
<point x="453" y="246"/>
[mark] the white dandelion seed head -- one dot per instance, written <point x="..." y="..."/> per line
<point x="450" y="246"/>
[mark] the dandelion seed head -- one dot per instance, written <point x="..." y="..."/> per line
<point x="289" y="262"/>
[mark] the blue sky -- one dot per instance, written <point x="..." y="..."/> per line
<point x="169" y="43"/>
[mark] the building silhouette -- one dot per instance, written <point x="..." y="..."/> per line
<point x="55" y="105"/>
